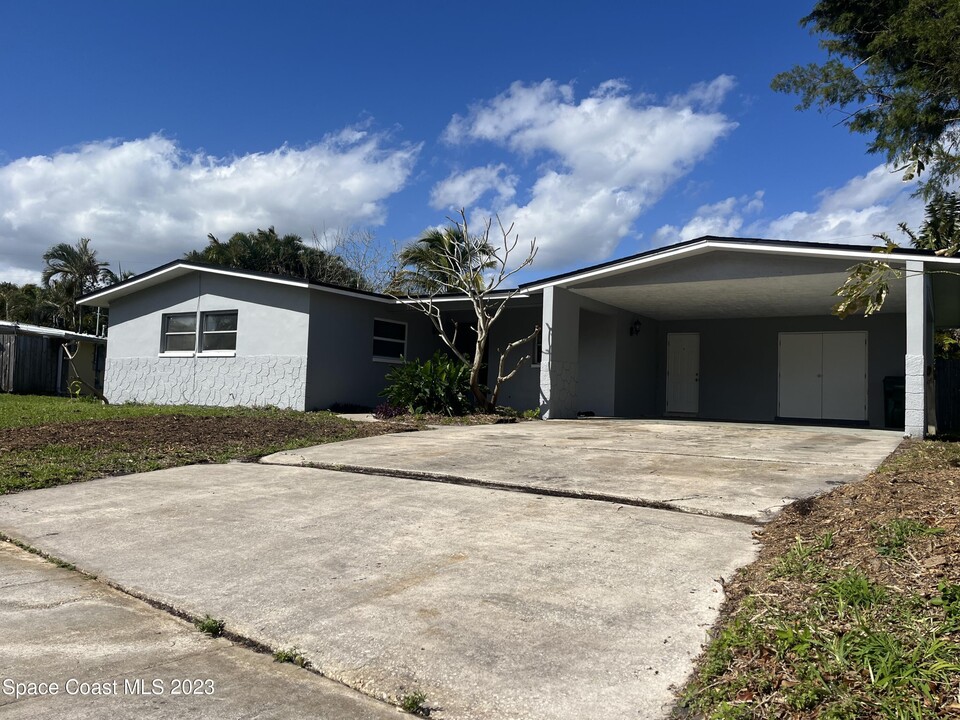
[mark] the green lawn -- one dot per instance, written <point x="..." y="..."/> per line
<point x="48" y="441"/>
<point x="28" y="410"/>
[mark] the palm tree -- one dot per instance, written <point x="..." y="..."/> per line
<point x="76" y="269"/>
<point x="267" y="251"/>
<point x="444" y="260"/>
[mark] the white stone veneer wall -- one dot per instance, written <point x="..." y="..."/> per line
<point x="279" y="381"/>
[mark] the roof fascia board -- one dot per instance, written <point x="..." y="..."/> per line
<point x="460" y="298"/>
<point x="627" y="265"/>
<point x="707" y="245"/>
<point x="180" y="269"/>
<point x="356" y="294"/>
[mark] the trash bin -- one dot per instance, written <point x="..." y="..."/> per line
<point x="893" y="401"/>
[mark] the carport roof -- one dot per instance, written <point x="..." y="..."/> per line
<point x="718" y="277"/>
<point x="707" y="243"/>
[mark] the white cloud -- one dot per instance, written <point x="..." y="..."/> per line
<point x="603" y="160"/>
<point x="853" y="213"/>
<point x="723" y="219"/>
<point x="462" y="189"/>
<point x="144" y="202"/>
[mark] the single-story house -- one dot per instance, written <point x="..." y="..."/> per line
<point x="37" y="359"/>
<point x="720" y="328"/>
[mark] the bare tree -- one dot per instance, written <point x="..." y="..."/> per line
<point x="477" y="269"/>
<point x="360" y="252"/>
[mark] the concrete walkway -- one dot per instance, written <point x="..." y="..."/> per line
<point x="494" y="604"/>
<point x="733" y="470"/>
<point x="61" y="627"/>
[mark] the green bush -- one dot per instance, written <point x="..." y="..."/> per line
<point x="438" y="385"/>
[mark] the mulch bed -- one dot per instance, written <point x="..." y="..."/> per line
<point x="852" y="512"/>
<point x="919" y="482"/>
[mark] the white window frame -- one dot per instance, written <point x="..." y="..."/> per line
<point x="403" y="343"/>
<point x="163" y="335"/>
<point x="201" y="332"/>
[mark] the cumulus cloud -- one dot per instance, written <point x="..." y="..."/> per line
<point x="147" y="201"/>
<point x="724" y="219"/>
<point x="865" y="205"/>
<point x="462" y="189"/>
<point x="602" y="160"/>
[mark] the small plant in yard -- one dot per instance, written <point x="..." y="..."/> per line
<point x="210" y="625"/>
<point x="892" y="537"/>
<point x="533" y="414"/>
<point x="439" y="385"/>
<point x="413" y="702"/>
<point x="292" y="656"/>
<point x="800" y="561"/>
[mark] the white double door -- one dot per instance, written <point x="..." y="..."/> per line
<point x="823" y="376"/>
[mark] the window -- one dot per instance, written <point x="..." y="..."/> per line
<point x="537" y="350"/>
<point x="218" y="333"/>
<point x="389" y="340"/>
<point x="179" y="333"/>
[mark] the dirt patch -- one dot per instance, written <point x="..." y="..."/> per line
<point x="185" y="432"/>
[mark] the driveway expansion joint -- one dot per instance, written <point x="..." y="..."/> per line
<point x="528" y="490"/>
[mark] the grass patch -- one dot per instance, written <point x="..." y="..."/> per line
<point x="292" y="656"/>
<point x="852" y="609"/>
<point x="414" y="703"/>
<point x="210" y="626"/>
<point x="892" y="537"/>
<point x="47" y="441"/>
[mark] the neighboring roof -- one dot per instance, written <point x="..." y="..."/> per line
<point x="14" y="328"/>
<point x="178" y="268"/>
<point x="755" y="245"/>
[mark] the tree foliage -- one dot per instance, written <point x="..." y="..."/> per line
<point x="454" y="261"/>
<point x="868" y="284"/>
<point x="69" y="271"/>
<point x="442" y="255"/>
<point x="266" y="251"/>
<point x="893" y="69"/>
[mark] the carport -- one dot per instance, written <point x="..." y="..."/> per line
<point x="743" y="330"/>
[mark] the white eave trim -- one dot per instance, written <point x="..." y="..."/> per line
<point x="181" y="269"/>
<point x="458" y="298"/>
<point x="670" y="254"/>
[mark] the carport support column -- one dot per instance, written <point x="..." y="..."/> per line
<point x="915" y="401"/>
<point x="560" y="340"/>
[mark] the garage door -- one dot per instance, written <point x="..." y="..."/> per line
<point x="823" y="376"/>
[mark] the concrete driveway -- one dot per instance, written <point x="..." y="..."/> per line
<point x="742" y="471"/>
<point x="493" y="603"/>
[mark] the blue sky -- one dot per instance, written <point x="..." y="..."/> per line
<point x="603" y="129"/>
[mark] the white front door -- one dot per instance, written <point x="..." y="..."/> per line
<point x="823" y="376"/>
<point x="683" y="373"/>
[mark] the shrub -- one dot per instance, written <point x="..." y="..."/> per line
<point x="439" y="385"/>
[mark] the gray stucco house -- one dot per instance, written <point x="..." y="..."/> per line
<point x="719" y="328"/>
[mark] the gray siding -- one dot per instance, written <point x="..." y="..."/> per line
<point x="270" y="365"/>
<point x="522" y="391"/>
<point x="341" y="368"/>
<point x="739" y="361"/>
